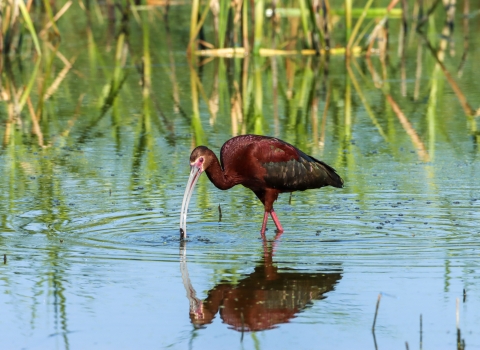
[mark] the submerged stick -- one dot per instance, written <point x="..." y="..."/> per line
<point x="4" y="258"/>
<point x="375" y="340"/>
<point x="219" y="213"/>
<point x="421" y="330"/>
<point x="376" y="312"/>
<point x="457" y="314"/>
<point x="460" y="341"/>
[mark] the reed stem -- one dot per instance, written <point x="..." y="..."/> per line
<point x="258" y="35"/>
<point x="193" y="25"/>
<point x="245" y="25"/>
<point x="348" y="19"/>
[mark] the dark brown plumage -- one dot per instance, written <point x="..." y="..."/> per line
<point x="266" y="165"/>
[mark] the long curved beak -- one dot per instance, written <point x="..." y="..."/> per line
<point x="192" y="181"/>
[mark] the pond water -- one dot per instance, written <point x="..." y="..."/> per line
<point x="90" y="210"/>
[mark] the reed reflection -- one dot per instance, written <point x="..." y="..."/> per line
<point x="261" y="300"/>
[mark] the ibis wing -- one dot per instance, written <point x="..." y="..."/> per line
<point x="289" y="169"/>
<point x="278" y="163"/>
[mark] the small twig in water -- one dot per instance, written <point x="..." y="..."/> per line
<point x="406" y="345"/>
<point x="458" y="314"/>
<point x="460" y="341"/>
<point x="421" y="330"/>
<point x="374" y="340"/>
<point x="4" y="258"/>
<point x="376" y="312"/>
<point x="219" y="213"/>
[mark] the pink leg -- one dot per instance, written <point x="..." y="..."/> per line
<point x="264" y="224"/>
<point x="276" y="221"/>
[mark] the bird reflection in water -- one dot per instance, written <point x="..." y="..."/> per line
<point x="263" y="299"/>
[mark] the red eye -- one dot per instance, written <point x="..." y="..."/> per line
<point x="201" y="160"/>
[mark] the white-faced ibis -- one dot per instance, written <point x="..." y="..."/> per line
<point x="266" y="165"/>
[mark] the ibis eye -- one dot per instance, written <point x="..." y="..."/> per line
<point x="201" y="160"/>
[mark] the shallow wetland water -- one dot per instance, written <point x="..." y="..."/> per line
<point x="89" y="212"/>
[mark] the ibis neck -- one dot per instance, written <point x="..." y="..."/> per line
<point x="217" y="175"/>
